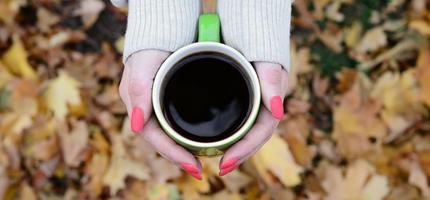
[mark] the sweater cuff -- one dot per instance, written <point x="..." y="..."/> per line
<point x="260" y="29"/>
<point x="160" y="24"/>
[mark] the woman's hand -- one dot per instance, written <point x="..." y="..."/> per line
<point x="274" y="86"/>
<point x="135" y="90"/>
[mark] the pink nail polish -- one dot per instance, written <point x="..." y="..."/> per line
<point x="229" y="163"/>
<point x="277" y="107"/>
<point x="190" y="168"/>
<point x="228" y="170"/>
<point x="196" y="176"/>
<point x="137" y="120"/>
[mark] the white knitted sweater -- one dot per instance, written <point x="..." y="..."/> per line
<point x="259" y="29"/>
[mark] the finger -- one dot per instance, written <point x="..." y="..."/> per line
<point x="123" y="90"/>
<point x="170" y="150"/>
<point x="257" y="136"/>
<point x="271" y="78"/>
<point x="143" y="66"/>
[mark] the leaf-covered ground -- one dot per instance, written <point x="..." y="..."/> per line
<point x="357" y="123"/>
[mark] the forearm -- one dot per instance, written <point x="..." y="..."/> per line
<point x="159" y="24"/>
<point x="260" y="29"/>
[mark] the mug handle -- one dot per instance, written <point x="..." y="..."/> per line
<point x="209" y="28"/>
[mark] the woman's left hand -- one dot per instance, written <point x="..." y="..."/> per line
<point x="274" y="86"/>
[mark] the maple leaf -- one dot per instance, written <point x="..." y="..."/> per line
<point x="74" y="143"/>
<point x="121" y="166"/>
<point x="61" y="92"/>
<point x="285" y="169"/>
<point x="359" y="182"/>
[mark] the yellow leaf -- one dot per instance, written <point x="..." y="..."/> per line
<point x="372" y="40"/>
<point x="359" y="182"/>
<point x="27" y="192"/>
<point x="376" y="188"/>
<point x="282" y="165"/>
<point x="421" y="26"/>
<point x="16" y="61"/>
<point x="96" y="169"/>
<point x="121" y="166"/>
<point x="119" y="44"/>
<point x="61" y="92"/>
<point x="353" y="34"/>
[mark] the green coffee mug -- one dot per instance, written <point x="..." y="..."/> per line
<point x="208" y="41"/>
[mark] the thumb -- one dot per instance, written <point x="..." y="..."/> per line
<point x="272" y="77"/>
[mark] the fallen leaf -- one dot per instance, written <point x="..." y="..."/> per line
<point x="423" y="72"/>
<point x="27" y="192"/>
<point x="359" y="182"/>
<point x="96" y="169"/>
<point x="163" y="170"/>
<point x="353" y="34"/>
<point x="286" y="169"/>
<point x="89" y="11"/>
<point x="372" y="40"/>
<point x="418" y="178"/>
<point x="162" y="192"/>
<point x="61" y="92"/>
<point x="45" y="19"/>
<point x="74" y="143"/>
<point x="421" y="26"/>
<point x="236" y="180"/>
<point x="121" y="166"/>
<point x="16" y="60"/>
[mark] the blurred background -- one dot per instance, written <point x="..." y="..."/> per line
<point x="357" y="123"/>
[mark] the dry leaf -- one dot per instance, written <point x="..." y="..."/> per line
<point x="27" y="192"/>
<point x="418" y="178"/>
<point x="421" y="26"/>
<point x="162" y="192"/>
<point x="45" y="19"/>
<point x="61" y="92"/>
<point x="285" y="169"/>
<point x="89" y="11"/>
<point x="96" y="169"/>
<point x="359" y="182"/>
<point x="121" y="166"/>
<point x="423" y="74"/>
<point x="74" y="143"/>
<point x="163" y="170"/>
<point x="16" y="60"/>
<point x="373" y="40"/>
<point x="352" y="35"/>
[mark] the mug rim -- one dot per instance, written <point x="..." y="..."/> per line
<point x="191" y="49"/>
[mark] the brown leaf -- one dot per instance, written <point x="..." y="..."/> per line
<point x="89" y="11"/>
<point x="121" y="166"/>
<point x="74" y="143"/>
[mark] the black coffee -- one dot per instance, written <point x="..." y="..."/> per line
<point x="206" y="97"/>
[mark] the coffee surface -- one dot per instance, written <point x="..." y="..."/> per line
<point x="206" y="97"/>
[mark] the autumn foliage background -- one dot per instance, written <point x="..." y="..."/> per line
<point x="357" y="122"/>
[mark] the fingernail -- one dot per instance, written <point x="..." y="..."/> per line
<point x="229" y="163"/>
<point x="226" y="171"/>
<point x="277" y="107"/>
<point x="196" y="176"/>
<point x="190" y="168"/>
<point x="137" y="120"/>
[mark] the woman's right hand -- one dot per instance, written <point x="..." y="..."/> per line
<point x="135" y="90"/>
